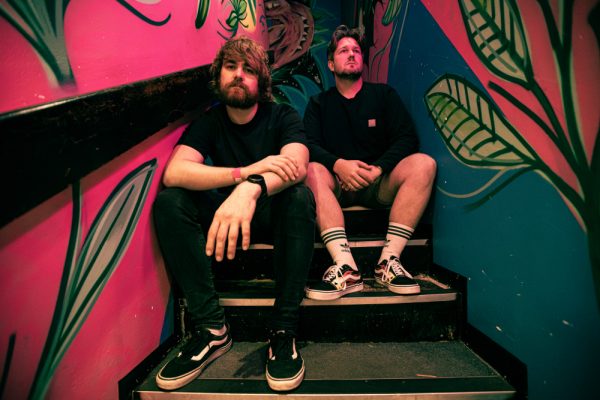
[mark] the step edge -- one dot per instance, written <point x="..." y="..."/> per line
<point x="414" y="387"/>
<point x="344" y="301"/>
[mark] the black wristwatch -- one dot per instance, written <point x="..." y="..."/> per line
<point x="259" y="180"/>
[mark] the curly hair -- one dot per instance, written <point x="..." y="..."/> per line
<point x="341" y="32"/>
<point x="244" y="49"/>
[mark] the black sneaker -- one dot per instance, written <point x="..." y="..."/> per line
<point x="202" y="348"/>
<point x="337" y="282"/>
<point x="285" y="366"/>
<point x="391" y="273"/>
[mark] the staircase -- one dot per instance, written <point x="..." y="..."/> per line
<point x="370" y="345"/>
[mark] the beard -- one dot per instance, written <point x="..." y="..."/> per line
<point x="349" y="76"/>
<point x="232" y="99"/>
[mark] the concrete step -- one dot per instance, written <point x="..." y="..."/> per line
<point x="360" y="371"/>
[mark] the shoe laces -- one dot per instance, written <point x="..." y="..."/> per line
<point x="197" y="341"/>
<point x="332" y="273"/>
<point x="396" y="268"/>
<point x="282" y="346"/>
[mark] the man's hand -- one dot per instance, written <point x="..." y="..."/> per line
<point x="355" y="174"/>
<point x="283" y="165"/>
<point x="233" y="215"/>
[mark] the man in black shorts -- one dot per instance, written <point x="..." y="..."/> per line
<point x="259" y="159"/>
<point x="363" y="150"/>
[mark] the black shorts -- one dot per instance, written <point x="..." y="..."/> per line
<point x="367" y="197"/>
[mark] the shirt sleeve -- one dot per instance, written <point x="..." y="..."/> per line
<point x="314" y="134"/>
<point x="292" y="128"/>
<point x="403" y="137"/>
<point x="199" y="135"/>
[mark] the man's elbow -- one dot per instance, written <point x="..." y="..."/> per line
<point x="168" y="178"/>
<point x="302" y="168"/>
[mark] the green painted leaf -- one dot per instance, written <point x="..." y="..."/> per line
<point x="472" y="127"/>
<point x="496" y="34"/>
<point x="232" y="20"/>
<point x="391" y="12"/>
<point x="242" y="8"/>
<point x="202" y="13"/>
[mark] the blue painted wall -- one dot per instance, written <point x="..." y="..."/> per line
<point x="529" y="276"/>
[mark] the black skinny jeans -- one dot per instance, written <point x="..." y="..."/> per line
<point x="182" y="218"/>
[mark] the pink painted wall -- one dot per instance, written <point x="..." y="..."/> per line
<point x="107" y="46"/>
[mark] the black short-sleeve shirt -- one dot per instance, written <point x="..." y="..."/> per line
<point x="227" y="144"/>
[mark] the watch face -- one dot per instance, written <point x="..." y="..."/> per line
<point x="259" y="180"/>
<point x="254" y="178"/>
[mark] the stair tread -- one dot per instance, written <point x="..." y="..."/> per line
<point x="414" y="367"/>
<point x="251" y="292"/>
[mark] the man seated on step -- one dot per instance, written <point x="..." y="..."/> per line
<point x="363" y="151"/>
<point x="259" y="160"/>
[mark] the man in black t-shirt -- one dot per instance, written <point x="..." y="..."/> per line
<point x="363" y="150"/>
<point x="259" y="160"/>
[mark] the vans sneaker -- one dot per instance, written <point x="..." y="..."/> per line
<point x="337" y="282"/>
<point x="391" y="273"/>
<point x="202" y="348"/>
<point x="285" y="366"/>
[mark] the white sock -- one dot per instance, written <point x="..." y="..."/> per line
<point x="336" y="242"/>
<point x="395" y="240"/>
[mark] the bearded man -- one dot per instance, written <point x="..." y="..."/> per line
<point x="258" y="159"/>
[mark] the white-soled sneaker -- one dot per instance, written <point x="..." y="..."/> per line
<point x="338" y="280"/>
<point x="391" y="274"/>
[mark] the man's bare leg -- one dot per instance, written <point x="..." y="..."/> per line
<point x="409" y="185"/>
<point x="342" y="277"/>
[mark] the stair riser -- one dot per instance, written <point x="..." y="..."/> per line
<point x="258" y="264"/>
<point x="364" y="323"/>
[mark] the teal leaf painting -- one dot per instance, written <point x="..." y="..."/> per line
<point x="85" y="274"/>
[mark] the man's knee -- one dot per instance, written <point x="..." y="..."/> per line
<point x="298" y="199"/>
<point x="317" y="173"/>
<point x="416" y="166"/>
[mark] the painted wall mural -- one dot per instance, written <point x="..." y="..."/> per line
<point x="298" y="35"/>
<point x="65" y="48"/>
<point x="506" y="75"/>
<point x="88" y="268"/>
<point x="74" y="293"/>
<point x="478" y="134"/>
<point x="41" y="23"/>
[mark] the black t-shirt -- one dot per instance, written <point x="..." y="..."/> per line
<point x="373" y="127"/>
<point x="231" y="145"/>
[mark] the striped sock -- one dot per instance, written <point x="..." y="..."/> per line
<point x="336" y="242"/>
<point x="395" y="240"/>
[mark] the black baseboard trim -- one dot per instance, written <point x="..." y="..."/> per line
<point x="505" y="363"/>
<point x="133" y="379"/>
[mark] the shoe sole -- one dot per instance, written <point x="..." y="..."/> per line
<point x="285" y="385"/>
<point x="176" y="383"/>
<point x="328" y="295"/>
<point x="412" y="289"/>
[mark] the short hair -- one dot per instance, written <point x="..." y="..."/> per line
<point x="342" y="32"/>
<point x="244" y="49"/>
